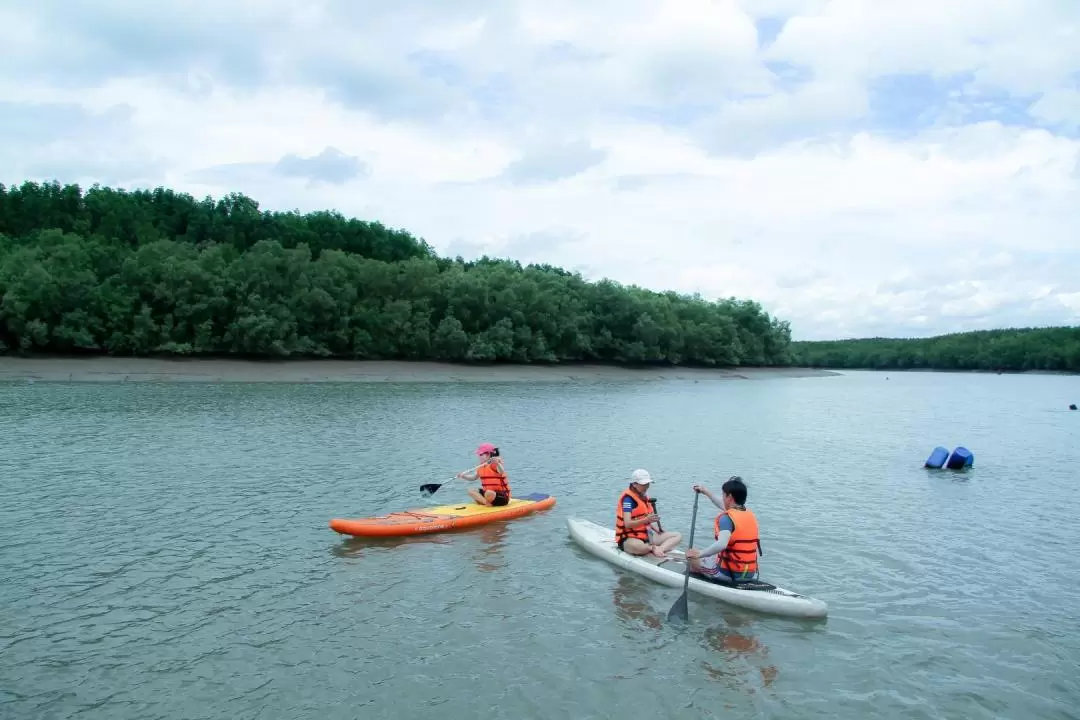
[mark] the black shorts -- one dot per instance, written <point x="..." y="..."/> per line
<point x="500" y="498"/>
<point x="622" y="540"/>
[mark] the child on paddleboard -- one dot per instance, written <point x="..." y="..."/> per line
<point x="734" y="555"/>
<point x="637" y="530"/>
<point x="494" y="484"/>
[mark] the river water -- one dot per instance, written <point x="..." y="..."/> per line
<point x="164" y="550"/>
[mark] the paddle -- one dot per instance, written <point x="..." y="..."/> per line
<point x="679" y="609"/>
<point x="429" y="489"/>
<point x="658" y="525"/>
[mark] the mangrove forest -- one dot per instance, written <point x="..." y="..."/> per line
<point x="1007" y="350"/>
<point x="159" y="272"/>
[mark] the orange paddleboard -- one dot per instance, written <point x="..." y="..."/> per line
<point x="440" y="518"/>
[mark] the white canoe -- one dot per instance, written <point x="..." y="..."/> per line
<point x="760" y="596"/>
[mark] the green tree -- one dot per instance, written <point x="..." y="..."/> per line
<point x="1010" y="349"/>
<point x="159" y="272"/>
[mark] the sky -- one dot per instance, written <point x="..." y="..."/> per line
<point x="860" y="168"/>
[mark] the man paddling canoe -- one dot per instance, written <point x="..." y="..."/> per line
<point x="494" y="485"/>
<point x="635" y="517"/>
<point x="733" y="557"/>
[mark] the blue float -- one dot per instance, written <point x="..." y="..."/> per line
<point x="958" y="459"/>
<point x="961" y="458"/>
<point x="937" y="458"/>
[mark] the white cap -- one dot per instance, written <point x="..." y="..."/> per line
<point x="641" y="477"/>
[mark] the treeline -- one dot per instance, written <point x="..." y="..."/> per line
<point x="1018" y="349"/>
<point x="158" y="272"/>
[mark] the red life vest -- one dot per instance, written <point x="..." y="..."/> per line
<point x="492" y="477"/>
<point x="741" y="554"/>
<point x="643" y="508"/>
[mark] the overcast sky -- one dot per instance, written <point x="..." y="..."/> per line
<point x="860" y="168"/>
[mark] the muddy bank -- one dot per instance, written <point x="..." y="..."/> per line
<point x="114" y="369"/>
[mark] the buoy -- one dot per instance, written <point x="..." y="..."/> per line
<point x="1073" y="406"/>
<point x="937" y="458"/>
<point x="961" y="458"/>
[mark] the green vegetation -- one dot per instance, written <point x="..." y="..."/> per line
<point x="1056" y="348"/>
<point x="158" y="272"/>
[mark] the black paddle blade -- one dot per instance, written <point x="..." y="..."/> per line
<point x="679" y="611"/>
<point x="430" y="488"/>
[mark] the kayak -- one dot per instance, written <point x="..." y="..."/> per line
<point x="440" y="518"/>
<point x="761" y="596"/>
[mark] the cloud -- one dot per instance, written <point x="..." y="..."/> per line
<point x="1059" y="107"/>
<point x="553" y="162"/>
<point x="65" y="139"/>
<point x="858" y="167"/>
<point x="330" y="166"/>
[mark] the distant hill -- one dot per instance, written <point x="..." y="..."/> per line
<point x="1011" y="349"/>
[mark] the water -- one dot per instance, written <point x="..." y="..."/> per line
<point x="165" y="552"/>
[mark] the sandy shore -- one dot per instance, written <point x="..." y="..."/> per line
<point x="114" y="369"/>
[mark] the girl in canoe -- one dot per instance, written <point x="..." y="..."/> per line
<point x="494" y="485"/>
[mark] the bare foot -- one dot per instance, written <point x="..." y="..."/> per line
<point x="659" y="553"/>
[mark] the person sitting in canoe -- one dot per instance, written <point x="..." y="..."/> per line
<point x="637" y="529"/>
<point x="494" y="485"/>
<point x="733" y="557"/>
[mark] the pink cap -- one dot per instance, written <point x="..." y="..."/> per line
<point x="485" y="448"/>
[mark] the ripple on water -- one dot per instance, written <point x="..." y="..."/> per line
<point x="165" y="552"/>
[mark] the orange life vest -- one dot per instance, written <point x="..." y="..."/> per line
<point x="643" y="508"/>
<point x="492" y="478"/>
<point x="741" y="554"/>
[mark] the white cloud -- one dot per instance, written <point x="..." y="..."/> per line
<point x="659" y="144"/>
<point x="1059" y="107"/>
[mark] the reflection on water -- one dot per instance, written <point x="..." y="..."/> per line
<point x="489" y="557"/>
<point x="631" y="606"/>
<point x="636" y="617"/>
<point x="737" y="649"/>
<point x="737" y="656"/>
<point x="354" y="547"/>
<point x="491" y="539"/>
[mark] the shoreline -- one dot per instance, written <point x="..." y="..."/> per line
<point x="956" y="371"/>
<point x="218" y="370"/>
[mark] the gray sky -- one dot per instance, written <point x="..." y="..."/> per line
<point x="859" y="168"/>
